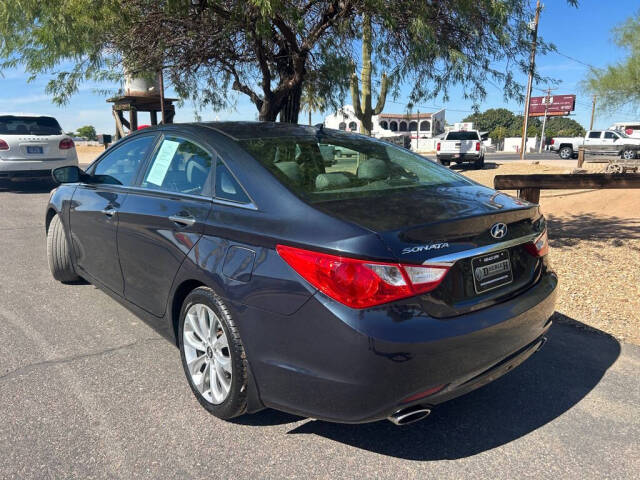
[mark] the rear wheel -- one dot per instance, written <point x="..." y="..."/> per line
<point x="629" y="154"/>
<point x="212" y="354"/>
<point x="566" y="153"/>
<point x="58" y="253"/>
<point x="445" y="163"/>
<point x="479" y="163"/>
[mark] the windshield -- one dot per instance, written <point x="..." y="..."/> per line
<point x="333" y="167"/>
<point x="14" y="125"/>
<point x="462" y="136"/>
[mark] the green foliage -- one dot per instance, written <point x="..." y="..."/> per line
<point x="563" y="127"/>
<point x="490" y="119"/>
<point x="88" y="132"/>
<point x="211" y="50"/>
<point x="619" y="84"/>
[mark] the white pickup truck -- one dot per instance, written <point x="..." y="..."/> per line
<point x="604" y="142"/>
<point x="461" y="146"/>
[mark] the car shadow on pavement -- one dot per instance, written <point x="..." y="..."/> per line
<point x="33" y="186"/>
<point x="547" y="385"/>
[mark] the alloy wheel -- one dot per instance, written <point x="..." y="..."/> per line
<point x="206" y="351"/>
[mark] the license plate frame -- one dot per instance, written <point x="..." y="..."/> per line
<point x="491" y="271"/>
<point x="35" y="150"/>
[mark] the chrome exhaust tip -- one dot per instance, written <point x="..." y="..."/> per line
<point x="409" y="415"/>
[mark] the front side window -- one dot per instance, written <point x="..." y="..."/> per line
<point x="610" y="135"/>
<point x="333" y="167"/>
<point x="179" y="166"/>
<point x="120" y="166"/>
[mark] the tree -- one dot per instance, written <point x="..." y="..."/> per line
<point x="492" y="118"/>
<point x="311" y="100"/>
<point x="88" y="132"/>
<point x="563" y="127"/>
<point x="619" y="84"/>
<point x="362" y="106"/>
<point x="266" y="49"/>
<point x="498" y="134"/>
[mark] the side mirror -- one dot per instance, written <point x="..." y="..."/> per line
<point x="71" y="174"/>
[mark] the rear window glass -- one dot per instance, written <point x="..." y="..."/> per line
<point x="11" y="125"/>
<point x="462" y="136"/>
<point x="330" y="167"/>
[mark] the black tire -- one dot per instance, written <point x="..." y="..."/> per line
<point x="444" y="163"/>
<point x="59" y="254"/>
<point x="628" y="154"/>
<point x="235" y="403"/>
<point x="566" y="153"/>
<point x="478" y="164"/>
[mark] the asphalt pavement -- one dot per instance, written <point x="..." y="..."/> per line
<point x="88" y="390"/>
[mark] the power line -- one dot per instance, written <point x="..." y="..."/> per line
<point x="574" y="59"/>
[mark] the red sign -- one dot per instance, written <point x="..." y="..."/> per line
<point x="553" y="105"/>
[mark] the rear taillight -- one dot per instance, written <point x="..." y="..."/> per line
<point x="553" y="141"/>
<point x="438" y="146"/>
<point x="66" y="144"/>
<point x="3" y="145"/>
<point x="361" y="283"/>
<point x="540" y="246"/>
<point x="477" y="146"/>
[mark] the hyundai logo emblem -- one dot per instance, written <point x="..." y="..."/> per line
<point x="498" y="230"/>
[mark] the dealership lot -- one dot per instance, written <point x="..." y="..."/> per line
<point x="87" y="389"/>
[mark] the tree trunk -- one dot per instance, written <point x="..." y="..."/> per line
<point x="291" y="106"/>
<point x="268" y="112"/>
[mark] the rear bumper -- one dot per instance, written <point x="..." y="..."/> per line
<point x="27" y="169"/>
<point x="331" y="362"/>
<point x="459" y="157"/>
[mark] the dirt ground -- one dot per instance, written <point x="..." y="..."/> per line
<point x="86" y="154"/>
<point x="595" y="239"/>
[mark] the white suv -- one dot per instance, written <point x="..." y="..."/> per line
<point x="33" y="145"/>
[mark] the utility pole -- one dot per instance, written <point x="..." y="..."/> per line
<point x="161" y="86"/>
<point x="593" y="112"/>
<point x="544" y="121"/>
<point x="532" y="67"/>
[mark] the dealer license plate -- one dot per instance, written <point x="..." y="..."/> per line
<point x="491" y="271"/>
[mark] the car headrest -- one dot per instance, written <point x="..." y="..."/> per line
<point x="197" y="170"/>
<point x="292" y="171"/>
<point x="373" y="169"/>
<point x="332" y="180"/>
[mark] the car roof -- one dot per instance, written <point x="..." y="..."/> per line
<point x="251" y="130"/>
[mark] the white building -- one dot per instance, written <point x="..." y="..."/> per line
<point x="390" y="124"/>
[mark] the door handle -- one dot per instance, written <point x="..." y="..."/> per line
<point x="109" y="211"/>
<point x="182" y="220"/>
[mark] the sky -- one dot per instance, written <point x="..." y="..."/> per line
<point x="582" y="33"/>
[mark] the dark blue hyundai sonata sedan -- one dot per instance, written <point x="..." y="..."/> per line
<point x="314" y="271"/>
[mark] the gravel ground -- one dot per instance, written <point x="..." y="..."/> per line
<point x="595" y="239"/>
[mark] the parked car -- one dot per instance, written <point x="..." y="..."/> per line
<point x="33" y="145"/>
<point x="461" y="146"/>
<point x="604" y="142"/>
<point x="374" y="288"/>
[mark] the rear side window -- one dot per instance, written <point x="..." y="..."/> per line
<point x="334" y="167"/>
<point x="180" y="166"/>
<point x="18" y="125"/>
<point x="594" y="134"/>
<point x="462" y="136"/>
<point x="227" y="187"/>
<point x="120" y="166"/>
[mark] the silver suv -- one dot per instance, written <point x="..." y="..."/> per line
<point x="33" y="145"/>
